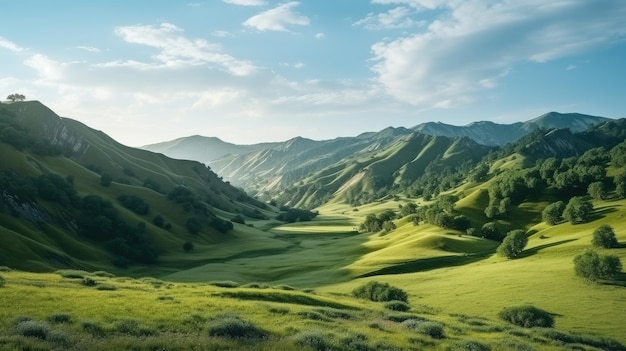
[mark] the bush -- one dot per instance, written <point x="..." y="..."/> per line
<point x="188" y="246"/>
<point x="380" y="292"/>
<point x="396" y="305"/>
<point x="32" y="329"/>
<point x="468" y="345"/>
<point x="604" y="236"/>
<point x="224" y="284"/>
<point x="2" y="281"/>
<point x="87" y="281"/>
<point x="60" y="318"/>
<point x="527" y="316"/>
<point x="72" y="273"/>
<point x="432" y="329"/>
<point x="235" y="328"/>
<point x="105" y="287"/>
<point x="93" y="328"/>
<point x="592" y="266"/>
<point x="513" y="244"/>
<point x="238" y="219"/>
<point x="312" y="338"/>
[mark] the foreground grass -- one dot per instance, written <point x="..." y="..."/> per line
<point x="75" y="310"/>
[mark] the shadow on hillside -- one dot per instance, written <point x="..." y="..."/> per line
<point x="619" y="280"/>
<point x="534" y="250"/>
<point x="428" y="264"/>
<point x="602" y="212"/>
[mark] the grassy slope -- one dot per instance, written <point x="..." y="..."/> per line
<point x="148" y="314"/>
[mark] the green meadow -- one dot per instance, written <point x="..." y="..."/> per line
<point x="294" y="292"/>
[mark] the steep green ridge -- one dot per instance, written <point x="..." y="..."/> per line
<point x="45" y="231"/>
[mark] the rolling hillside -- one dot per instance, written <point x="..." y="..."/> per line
<point x="146" y="204"/>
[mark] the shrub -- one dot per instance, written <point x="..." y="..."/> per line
<point x="60" y="318"/>
<point x="604" y="236"/>
<point x="72" y="273"/>
<point x="32" y="329"/>
<point x="87" y="281"/>
<point x="103" y="274"/>
<point x="5" y="269"/>
<point x="224" y="284"/>
<point x="284" y="287"/>
<point x="93" y="328"/>
<point x="188" y="246"/>
<point x="513" y="244"/>
<point x="312" y="338"/>
<point x="2" y="281"/>
<point x="527" y="316"/>
<point x="396" y="305"/>
<point x="432" y="329"/>
<point x="592" y="266"/>
<point x="468" y="345"/>
<point x="380" y="292"/>
<point x="235" y="328"/>
<point x="106" y="287"/>
<point x="255" y="285"/>
<point x="238" y="219"/>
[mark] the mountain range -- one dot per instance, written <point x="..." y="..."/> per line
<point x="314" y="170"/>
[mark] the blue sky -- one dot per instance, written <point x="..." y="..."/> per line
<point x="249" y="71"/>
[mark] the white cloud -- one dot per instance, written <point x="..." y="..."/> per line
<point x="89" y="49"/>
<point x="48" y="69"/>
<point x="177" y="51"/>
<point x="7" y="44"/>
<point x="320" y="36"/>
<point x="194" y="4"/>
<point x="399" y="17"/>
<point x="221" y="34"/>
<point x="246" y="2"/>
<point x="571" y="67"/>
<point x="278" y="18"/>
<point x="472" y="45"/>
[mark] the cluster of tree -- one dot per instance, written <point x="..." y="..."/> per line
<point x="201" y="214"/>
<point x="380" y="292"/>
<point x="510" y="188"/>
<point x="99" y="220"/>
<point x="135" y="204"/>
<point x="593" y="266"/>
<point x="578" y="210"/>
<point x="96" y="218"/>
<point x="291" y="215"/>
<point x="441" y="214"/>
<point x="12" y="133"/>
<point x="439" y="177"/>
<point x="375" y="223"/>
<point x="16" y="97"/>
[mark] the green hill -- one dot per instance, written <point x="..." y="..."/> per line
<point x="437" y="208"/>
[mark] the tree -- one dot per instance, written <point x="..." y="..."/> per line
<point x="188" y="246"/>
<point x="408" y="209"/>
<point x="620" y="184"/>
<point x="489" y="231"/>
<point x="513" y="244"/>
<point x="592" y="266"/>
<point x="552" y="214"/>
<point x="105" y="180"/>
<point x="16" y="97"/>
<point x="388" y="226"/>
<point x="193" y="225"/>
<point x="577" y="210"/>
<point x="596" y="190"/>
<point x="377" y="291"/>
<point x="604" y="237"/>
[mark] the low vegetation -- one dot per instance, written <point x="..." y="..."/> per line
<point x="527" y="317"/>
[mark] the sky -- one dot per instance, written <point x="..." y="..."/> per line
<point x="249" y="71"/>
